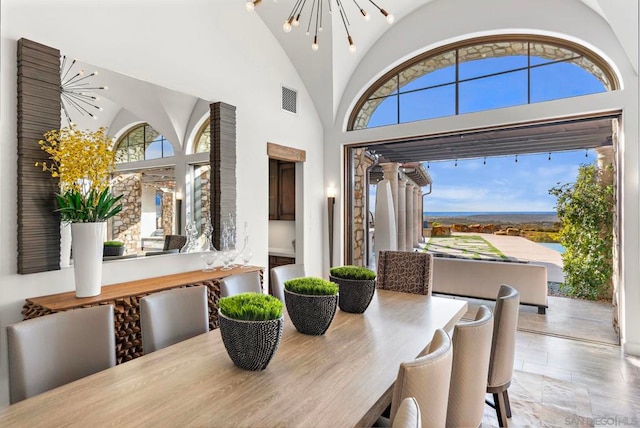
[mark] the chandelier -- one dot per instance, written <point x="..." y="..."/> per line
<point x="76" y="91"/>
<point x="315" y="13"/>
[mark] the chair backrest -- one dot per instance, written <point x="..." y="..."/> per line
<point x="52" y="350"/>
<point x="408" y="414"/>
<point x="471" y="350"/>
<point x="427" y="379"/>
<point x="406" y="271"/>
<point x="174" y="242"/>
<point x="172" y="316"/>
<point x="503" y="344"/>
<point x="280" y="274"/>
<point x="248" y="282"/>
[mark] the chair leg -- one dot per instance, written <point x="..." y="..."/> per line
<point x="507" y="404"/>
<point x="501" y="411"/>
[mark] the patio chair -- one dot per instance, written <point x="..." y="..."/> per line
<point x="406" y="271"/>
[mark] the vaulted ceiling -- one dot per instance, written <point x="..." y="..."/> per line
<point x="327" y="71"/>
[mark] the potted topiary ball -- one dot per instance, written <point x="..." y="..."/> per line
<point x="113" y="248"/>
<point x="251" y="327"/>
<point x="311" y="304"/>
<point x="357" y="285"/>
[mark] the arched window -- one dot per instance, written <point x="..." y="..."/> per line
<point x="481" y="74"/>
<point x="142" y="143"/>
<point x="203" y="139"/>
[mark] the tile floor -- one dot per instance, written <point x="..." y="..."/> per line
<point x="560" y="382"/>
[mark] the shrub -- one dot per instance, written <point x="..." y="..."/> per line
<point x="113" y="244"/>
<point x="251" y="307"/>
<point x="585" y="209"/>
<point x="311" y="286"/>
<point x="353" y="272"/>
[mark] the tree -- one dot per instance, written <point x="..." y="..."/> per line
<point x="585" y="209"/>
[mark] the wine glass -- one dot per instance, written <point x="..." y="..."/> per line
<point x="209" y="257"/>
<point x="228" y="256"/>
<point x="246" y="256"/>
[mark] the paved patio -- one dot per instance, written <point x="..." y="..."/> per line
<point x="566" y="317"/>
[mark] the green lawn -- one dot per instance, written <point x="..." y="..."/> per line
<point x="469" y="246"/>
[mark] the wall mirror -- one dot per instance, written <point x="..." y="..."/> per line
<point x="164" y="153"/>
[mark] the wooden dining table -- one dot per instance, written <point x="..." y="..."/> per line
<point x="343" y="378"/>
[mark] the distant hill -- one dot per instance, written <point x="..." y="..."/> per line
<point x="494" y="218"/>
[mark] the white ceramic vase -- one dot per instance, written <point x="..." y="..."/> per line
<point x="65" y="244"/>
<point x="87" y="244"/>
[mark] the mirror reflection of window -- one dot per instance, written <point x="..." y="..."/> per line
<point x="142" y="143"/>
<point x="203" y="141"/>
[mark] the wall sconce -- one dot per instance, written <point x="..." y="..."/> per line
<point x="331" y="201"/>
<point x="178" y="196"/>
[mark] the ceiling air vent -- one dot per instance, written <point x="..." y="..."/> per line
<point x="289" y="100"/>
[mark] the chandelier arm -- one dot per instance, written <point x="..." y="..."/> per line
<point x="311" y="18"/>
<point x="343" y="13"/>
<point x="77" y="106"/>
<point x="67" y="70"/>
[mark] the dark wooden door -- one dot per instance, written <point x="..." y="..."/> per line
<point x="287" y="191"/>
<point x="273" y="189"/>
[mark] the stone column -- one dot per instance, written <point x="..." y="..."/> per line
<point x="417" y="205"/>
<point x="390" y="172"/>
<point x="605" y="159"/>
<point x="402" y="214"/>
<point x="410" y="215"/>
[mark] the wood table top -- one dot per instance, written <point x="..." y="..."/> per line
<point x="341" y="379"/>
<point x="68" y="300"/>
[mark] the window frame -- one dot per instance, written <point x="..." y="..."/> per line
<point x="145" y="144"/>
<point x="581" y="51"/>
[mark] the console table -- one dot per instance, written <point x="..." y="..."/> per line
<point x="125" y="299"/>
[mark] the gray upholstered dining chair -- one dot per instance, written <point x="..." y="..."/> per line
<point x="408" y="414"/>
<point x="406" y="271"/>
<point x="248" y="282"/>
<point x="280" y="274"/>
<point x="471" y="350"/>
<point x="52" y="350"/>
<point x="503" y="348"/>
<point x="172" y="316"/>
<point x="427" y="379"/>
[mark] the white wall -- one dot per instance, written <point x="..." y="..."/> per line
<point x="212" y="49"/>
<point x="281" y="233"/>
<point x="445" y="21"/>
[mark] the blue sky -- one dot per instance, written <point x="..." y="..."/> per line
<point x="502" y="184"/>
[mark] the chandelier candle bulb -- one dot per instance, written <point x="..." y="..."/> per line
<point x="316" y="13"/>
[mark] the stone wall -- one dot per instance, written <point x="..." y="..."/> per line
<point x="362" y="161"/>
<point x="125" y="226"/>
<point x="167" y="213"/>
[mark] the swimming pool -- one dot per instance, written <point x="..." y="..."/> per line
<point x="553" y="245"/>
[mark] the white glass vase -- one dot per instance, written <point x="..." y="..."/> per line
<point x="87" y="245"/>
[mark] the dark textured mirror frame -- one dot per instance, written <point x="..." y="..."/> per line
<point x="39" y="112"/>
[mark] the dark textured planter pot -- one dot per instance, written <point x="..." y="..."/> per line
<point x="310" y="314"/>
<point x="112" y="251"/>
<point x="355" y="294"/>
<point x="251" y="344"/>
